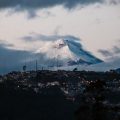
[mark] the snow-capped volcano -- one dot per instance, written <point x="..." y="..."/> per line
<point x="63" y="53"/>
<point x="69" y="52"/>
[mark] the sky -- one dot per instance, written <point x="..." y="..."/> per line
<point x="29" y="26"/>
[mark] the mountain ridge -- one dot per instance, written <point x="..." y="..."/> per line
<point x="74" y="52"/>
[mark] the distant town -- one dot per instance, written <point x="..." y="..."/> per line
<point x="60" y="95"/>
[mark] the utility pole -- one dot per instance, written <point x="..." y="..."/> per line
<point x="36" y="65"/>
<point x="25" y="62"/>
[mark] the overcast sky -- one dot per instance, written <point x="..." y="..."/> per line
<point x="96" y="23"/>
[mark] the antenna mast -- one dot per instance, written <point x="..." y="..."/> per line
<point x="36" y="65"/>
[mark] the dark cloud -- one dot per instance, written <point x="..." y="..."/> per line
<point x="5" y="44"/>
<point x="105" y="53"/>
<point x="116" y="49"/>
<point x="109" y="53"/>
<point x="35" y="4"/>
<point x="34" y="37"/>
<point x="31" y="14"/>
<point x="13" y="60"/>
<point x="115" y="2"/>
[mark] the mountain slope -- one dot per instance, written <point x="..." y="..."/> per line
<point x="72" y="53"/>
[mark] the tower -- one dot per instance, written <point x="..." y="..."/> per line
<point x="36" y="65"/>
